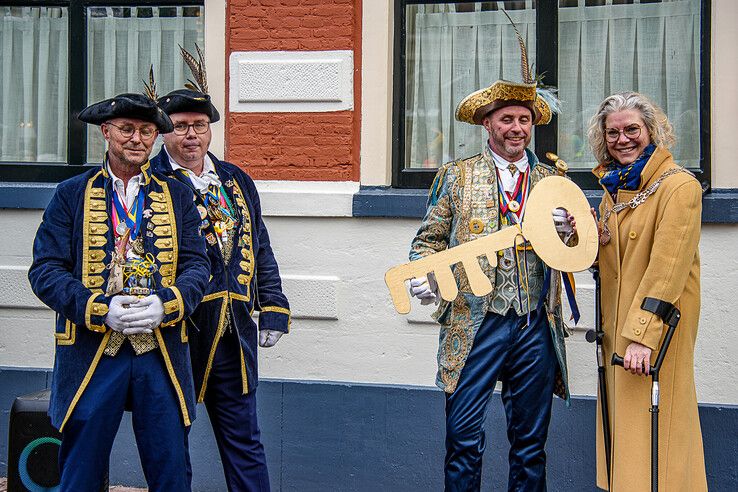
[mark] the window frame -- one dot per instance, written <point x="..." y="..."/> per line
<point x="76" y="163"/>
<point x="547" y="43"/>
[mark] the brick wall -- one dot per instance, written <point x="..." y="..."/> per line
<point x="296" y="146"/>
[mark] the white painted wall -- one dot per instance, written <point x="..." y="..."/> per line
<point x="344" y="326"/>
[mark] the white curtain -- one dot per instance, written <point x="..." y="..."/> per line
<point x="33" y="104"/>
<point x="652" y="48"/>
<point x="121" y="49"/>
<point x="450" y="55"/>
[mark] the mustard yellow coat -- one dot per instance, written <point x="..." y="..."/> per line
<point x="653" y="252"/>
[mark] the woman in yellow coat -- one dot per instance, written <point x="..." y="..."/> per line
<point x="647" y="251"/>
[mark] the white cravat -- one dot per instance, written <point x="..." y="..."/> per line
<point x="508" y="179"/>
<point x="207" y="177"/>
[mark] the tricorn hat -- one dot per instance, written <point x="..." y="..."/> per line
<point x="139" y="106"/>
<point x="540" y="100"/>
<point x="195" y="98"/>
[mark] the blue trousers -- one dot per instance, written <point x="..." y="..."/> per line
<point x="233" y="418"/>
<point x="523" y="358"/>
<point x="140" y="383"/>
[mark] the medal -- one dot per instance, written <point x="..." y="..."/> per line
<point x="210" y="238"/>
<point x="203" y="212"/>
<point x="513" y="205"/>
<point x="137" y="246"/>
<point x="604" y="236"/>
<point x="121" y="228"/>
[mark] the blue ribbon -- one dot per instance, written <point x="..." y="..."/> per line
<point x="137" y="207"/>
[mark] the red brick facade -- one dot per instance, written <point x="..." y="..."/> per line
<point x="296" y="146"/>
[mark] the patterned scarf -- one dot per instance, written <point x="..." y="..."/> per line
<point x="619" y="177"/>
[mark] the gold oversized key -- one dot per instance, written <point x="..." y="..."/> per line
<point x="537" y="227"/>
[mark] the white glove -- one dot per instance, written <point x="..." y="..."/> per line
<point x="119" y="306"/>
<point x="563" y="222"/>
<point x="425" y="289"/>
<point x="268" y="338"/>
<point x="147" y="318"/>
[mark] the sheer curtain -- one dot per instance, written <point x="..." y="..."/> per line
<point x="121" y="48"/>
<point x="450" y="55"/>
<point x="33" y="69"/>
<point x="651" y="48"/>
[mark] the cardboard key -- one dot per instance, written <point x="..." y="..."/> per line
<point x="537" y="227"/>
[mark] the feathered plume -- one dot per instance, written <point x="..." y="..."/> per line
<point x="525" y="69"/>
<point x="150" y="88"/>
<point x="197" y="67"/>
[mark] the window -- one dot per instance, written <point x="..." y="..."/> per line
<point x="445" y="51"/>
<point x="59" y="56"/>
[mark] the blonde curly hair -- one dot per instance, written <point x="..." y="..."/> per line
<point x="659" y="128"/>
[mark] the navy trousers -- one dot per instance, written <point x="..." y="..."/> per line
<point x="140" y="383"/>
<point x="523" y="358"/>
<point x="233" y="418"/>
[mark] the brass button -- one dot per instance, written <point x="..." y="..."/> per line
<point x="637" y="331"/>
<point x="642" y="321"/>
<point x="476" y="226"/>
<point x="632" y="234"/>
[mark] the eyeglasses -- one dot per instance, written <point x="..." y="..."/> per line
<point x="200" y="127"/>
<point x="630" y="131"/>
<point x="127" y="131"/>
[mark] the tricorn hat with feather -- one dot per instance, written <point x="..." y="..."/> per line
<point x="194" y="98"/>
<point x="138" y="106"/>
<point x="541" y="101"/>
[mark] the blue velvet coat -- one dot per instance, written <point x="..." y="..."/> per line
<point x="249" y="281"/>
<point x="74" y="244"/>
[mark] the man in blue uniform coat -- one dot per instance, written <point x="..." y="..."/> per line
<point x="244" y="278"/>
<point x="119" y="258"/>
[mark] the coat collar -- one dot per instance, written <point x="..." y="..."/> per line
<point x="146" y="170"/>
<point x="161" y="164"/>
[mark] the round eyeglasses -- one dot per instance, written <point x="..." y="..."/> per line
<point x="199" y="127"/>
<point x="631" y="131"/>
<point x="127" y="131"/>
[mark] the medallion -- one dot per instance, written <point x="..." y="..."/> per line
<point x="210" y="237"/>
<point x="513" y="205"/>
<point x="604" y="237"/>
<point x="121" y="228"/>
<point x="137" y="246"/>
<point x="203" y="212"/>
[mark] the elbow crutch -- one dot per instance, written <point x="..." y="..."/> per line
<point x="670" y="315"/>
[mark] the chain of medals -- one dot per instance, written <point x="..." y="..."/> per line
<point x="512" y="207"/>
<point x="125" y="220"/>
<point x="634" y="202"/>
<point x="131" y="274"/>
<point x="221" y="213"/>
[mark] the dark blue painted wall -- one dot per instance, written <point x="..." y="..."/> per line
<point x="356" y="437"/>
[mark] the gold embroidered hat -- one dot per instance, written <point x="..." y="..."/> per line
<point x="540" y="100"/>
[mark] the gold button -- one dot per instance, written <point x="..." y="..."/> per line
<point x="637" y="331"/>
<point x="632" y="234"/>
<point x="642" y="321"/>
<point x="476" y="226"/>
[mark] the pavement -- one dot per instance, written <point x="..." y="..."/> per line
<point x="114" y="488"/>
